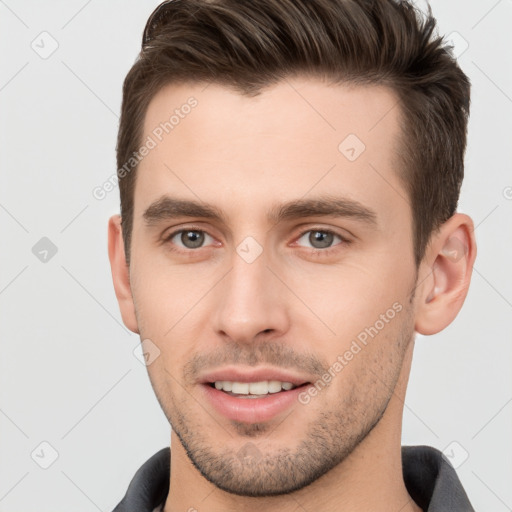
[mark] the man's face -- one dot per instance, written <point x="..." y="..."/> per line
<point x="312" y="296"/>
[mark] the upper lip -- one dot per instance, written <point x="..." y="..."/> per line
<point x="237" y="374"/>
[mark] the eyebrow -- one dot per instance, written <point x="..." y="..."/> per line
<point x="168" y="208"/>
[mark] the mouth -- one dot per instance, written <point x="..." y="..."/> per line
<point x="252" y="402"/>
<point x="260" y="389"/>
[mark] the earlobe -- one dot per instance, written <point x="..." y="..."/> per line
<point x="121" y="273"/>
<point x="450" y="258"/>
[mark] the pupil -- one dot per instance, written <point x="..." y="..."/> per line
<point x="324" y="238"/>
<point x="192" y="239"/>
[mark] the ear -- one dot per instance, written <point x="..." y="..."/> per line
<point x="121" y="273"/>
<point x="446" y="270"/>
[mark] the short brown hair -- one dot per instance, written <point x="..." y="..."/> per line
<point x="248" y="45"/>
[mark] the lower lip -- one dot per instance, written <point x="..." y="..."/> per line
<point x="252" y="410"/>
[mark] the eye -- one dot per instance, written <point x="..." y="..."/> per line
<point x="321" y="238"/>
<point x="188" y="238"/>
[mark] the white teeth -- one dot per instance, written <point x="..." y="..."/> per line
<point x="241" y="388"/>
<point x="274" y="386"/>
<point x="254" y="388"/>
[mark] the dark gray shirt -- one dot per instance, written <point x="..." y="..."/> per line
<point x="429" y="478"/>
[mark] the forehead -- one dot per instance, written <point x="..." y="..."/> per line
<point x="302" y="107"/>
<point x="296" y="137"/>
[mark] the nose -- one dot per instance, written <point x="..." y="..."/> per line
<point x="251" y="301"/>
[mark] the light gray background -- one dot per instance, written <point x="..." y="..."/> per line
<point x="69" y="376"/>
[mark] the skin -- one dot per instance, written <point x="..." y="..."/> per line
<point x="295" y="306"/>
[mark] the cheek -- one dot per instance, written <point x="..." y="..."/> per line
<point x="370" y="362"/>
<point x="351" y="295"/>
<point x="361" y="312"/>
<point x="165" y="295"/>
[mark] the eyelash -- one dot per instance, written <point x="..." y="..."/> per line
<point x="313" y="250"/>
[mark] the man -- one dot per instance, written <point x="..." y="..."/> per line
<point x="289" y="173"/>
